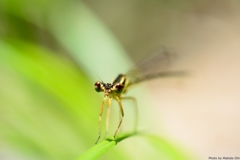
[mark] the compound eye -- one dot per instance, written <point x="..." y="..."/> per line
<point x="97" y="86"/>
<point x="119" y="87"/>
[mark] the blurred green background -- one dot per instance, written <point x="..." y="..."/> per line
<point x="52" y="52"/>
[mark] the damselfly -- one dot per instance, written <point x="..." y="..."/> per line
<point x="149" y="68"/>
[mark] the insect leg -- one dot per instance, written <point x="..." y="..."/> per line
<point x="100" y="119"/>
<point x="108" y="115"/>
<point x="121" y="118"/>
<point x="136" y="110"/>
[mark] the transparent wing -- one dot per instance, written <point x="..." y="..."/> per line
<point x="152" y="66"/>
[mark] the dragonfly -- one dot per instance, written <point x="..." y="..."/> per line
<point x="148" y="68"/>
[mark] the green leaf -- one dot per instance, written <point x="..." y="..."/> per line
<point x="102" y="147"/>
<point x="164" y="148"/>
<point x="88" y="40"/>
<point x="45" y="102"/>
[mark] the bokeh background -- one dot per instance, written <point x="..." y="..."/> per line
<point x="52" y="52"/>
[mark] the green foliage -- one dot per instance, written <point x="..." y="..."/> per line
<point x="50" y="52"/>
<point x="102" y="147"/>
<point x="164" y="148"/>
<point x="44" y="96"/>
